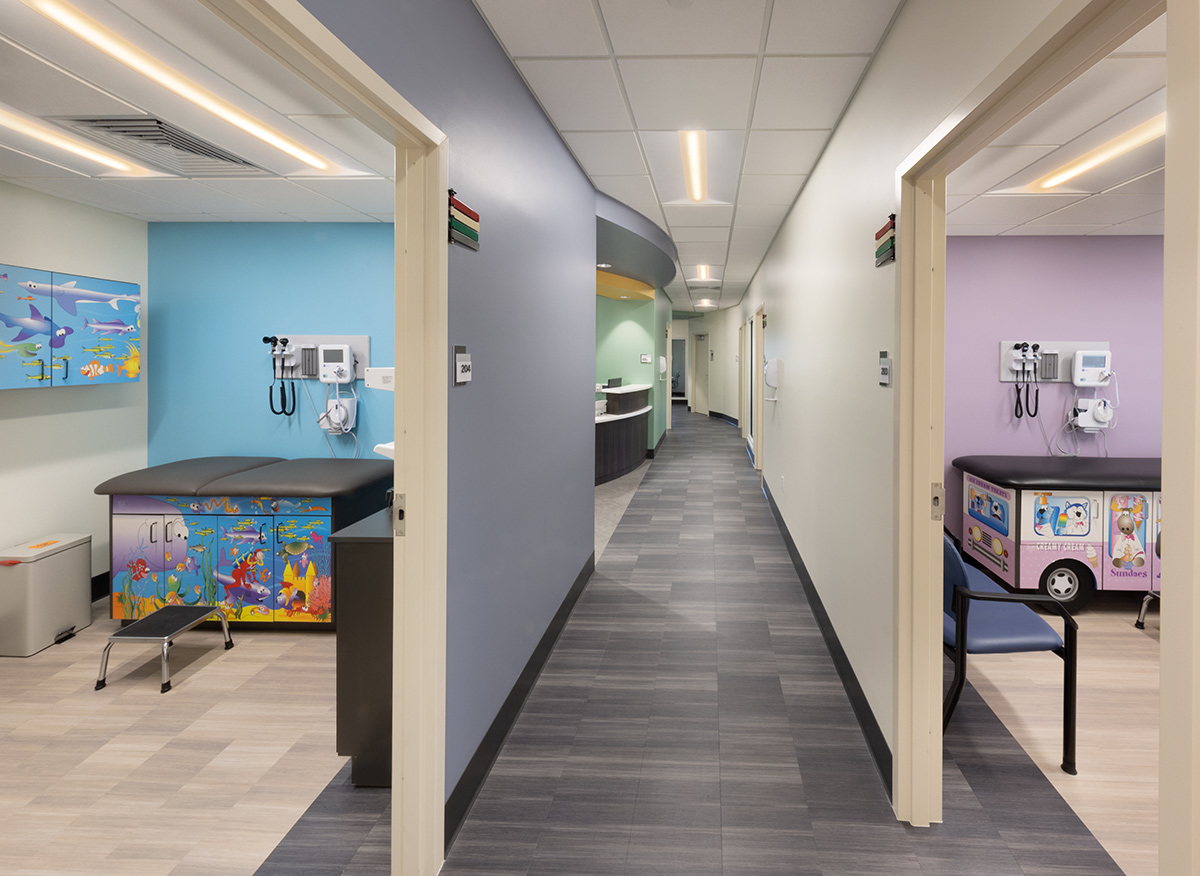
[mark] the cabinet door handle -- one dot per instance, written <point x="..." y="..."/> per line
<point x="167" y="531"/>
<point x="152" y="525"/>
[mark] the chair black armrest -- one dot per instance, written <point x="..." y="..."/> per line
<point x="1026" y="598"/>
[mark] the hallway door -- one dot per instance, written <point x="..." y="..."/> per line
<point x="700" y="375"/>
<point x="758" y="361"/>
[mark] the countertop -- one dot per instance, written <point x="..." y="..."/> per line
<point x="633" y="387"/>
<point x="608" y="418"/>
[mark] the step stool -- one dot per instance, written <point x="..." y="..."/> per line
<point x="162" y="627"/>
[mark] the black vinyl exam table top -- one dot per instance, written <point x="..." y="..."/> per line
<point x="250" y="476"/>
<point x="1066" y="472"/>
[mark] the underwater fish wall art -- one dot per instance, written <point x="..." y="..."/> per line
<point x="110" y="327"/>
<point x="68" y="295"/>
<point x="36" y="324"/>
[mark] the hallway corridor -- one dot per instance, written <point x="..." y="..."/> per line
<point x="690" y="721"/>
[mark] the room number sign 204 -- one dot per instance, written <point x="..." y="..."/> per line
<point x="462" y="368"/>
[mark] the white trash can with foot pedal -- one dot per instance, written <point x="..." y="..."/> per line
<point x="45" y="592"/>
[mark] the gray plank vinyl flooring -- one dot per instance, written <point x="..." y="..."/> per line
<point x="690" y="721"/>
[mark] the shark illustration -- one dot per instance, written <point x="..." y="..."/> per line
<point x="67" y="295"/>
<point x="36" y="324"/>
<point x="111" y="327"/>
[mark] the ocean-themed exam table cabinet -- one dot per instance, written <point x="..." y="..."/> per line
<point x="250" y="534"/>
<point x="65" y="330"/>
<point x="1067" y="526"/>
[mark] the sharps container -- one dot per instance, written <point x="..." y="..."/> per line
<point x="45" y="592"/>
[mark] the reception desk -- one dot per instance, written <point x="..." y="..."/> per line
<point x="622" y="431"/>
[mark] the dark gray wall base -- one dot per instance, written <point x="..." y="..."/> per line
<point x="725" y="417"/>
<point x="650" y="454"/>
<point x="463" y="795"/>
<point x="876" y="743"/>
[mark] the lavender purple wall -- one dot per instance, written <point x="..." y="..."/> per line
<point x="1049" y="288"/>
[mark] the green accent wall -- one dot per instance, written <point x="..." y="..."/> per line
<point x="624" y="331"/>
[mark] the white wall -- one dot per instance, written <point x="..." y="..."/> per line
<point x="57" y="443"/>
<point x="828" y="442"/>
<point x="721" y="326"/>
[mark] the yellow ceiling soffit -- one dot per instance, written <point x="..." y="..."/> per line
<point x="616" y="286"/>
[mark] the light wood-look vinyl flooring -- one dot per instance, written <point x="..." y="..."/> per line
<point x="1116" y="791"/>
<point x="204" y="780"/>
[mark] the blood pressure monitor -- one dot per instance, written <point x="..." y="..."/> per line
<point x="1092" y="368"/>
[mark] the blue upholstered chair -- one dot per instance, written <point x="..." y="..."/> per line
<point x="981" y="617"/>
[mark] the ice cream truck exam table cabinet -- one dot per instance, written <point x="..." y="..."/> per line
<point x="1067" y="526"/>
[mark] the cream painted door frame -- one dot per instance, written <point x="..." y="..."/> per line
<point x="1074" y="37"/>
<point x="743" y="426"/>
<point x="670" y="401"/>
<point x="700" y="369"/>
<point x="758" y="385"/>
<point x="290" y="34"/>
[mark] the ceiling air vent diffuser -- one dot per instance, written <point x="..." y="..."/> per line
<point x="163" y="145"/>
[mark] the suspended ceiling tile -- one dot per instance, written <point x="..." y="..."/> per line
<point x="1103" y="210"/>
<point x="191" y="29"/>
<point x="763" y="190"/>
<point x="1008" y="209"/>
<point x="724" y="160"/>
<point x="353" y="138"/>
<point x="753" y="235"/>
<point x="1107" y="88"/>
<point x="608" y="153"/>
<point x="578" y="95"/>
<point x="698" y="214"/>
<point x="702" y="27"/>
<point x="1052" y="230"/>
<point x="388" y="218"/>
<point x="820" y="27"/>
<point x="975" y="230"/>
<point x="18" y="165"/>
<point x="1154" y="183"/>
<point x="274" y="194"/>
<point x="1158" y="219"/>
<point x="953" y="202"/>
<point x="1115" y="230"/>
<point x="335" y="217"/>
<point x="545" y="27"/>
<point x="261" y="216"/>
<point x="185" y="194"/>
<point x="711" y="234"/>
<point x="990" y="166"/>
<point x="805" y="92"/>
<point x="99" y="193"/>
<point x="653" y="212"/>
<point x="1152" y="38"/>
<point x="626" y="189"/>
<point x="769" y="216"/>
<point x="39" y="88"/>
<point x="179" y="217"/>
<point x="362" y="195"/>
<point x="703" y="253"/>
<point x="678" y="94"/>
<point x="783" y="152"/>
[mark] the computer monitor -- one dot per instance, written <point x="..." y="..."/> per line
<point x="614" y="381"/>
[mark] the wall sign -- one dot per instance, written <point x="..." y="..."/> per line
<point x="62" y="329"/>
<point x="885" y="242"/>
<point x="464" y="224"/>
<point x="462" y="365"/>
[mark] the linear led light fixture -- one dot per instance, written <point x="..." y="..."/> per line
<point x="695" y="164"/>
<point x="45" y="134"/>
<point x="706" y="302"/>
<point x="702" y="272"/>
<point x="111" y="44"/>
<point x="1144" y="133"/>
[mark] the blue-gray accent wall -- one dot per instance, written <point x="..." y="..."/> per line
<point x="521" y="459"/>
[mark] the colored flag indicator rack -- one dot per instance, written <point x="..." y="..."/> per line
<point x="885" y="242"/>
<point x="464" y="223"/>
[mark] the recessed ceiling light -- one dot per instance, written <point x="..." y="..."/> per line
<point x="706" y="302"/>
<point x="1144" y="133"/>
<point x="702" y="272"/>
<point x="93" y="32"/>
<point x="603" y="265"/>
<point x="31" y="127"/>
<point x="692" y="145"/>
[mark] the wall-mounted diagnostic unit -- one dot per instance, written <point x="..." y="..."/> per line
<point x="1092" y="368"/>
<point x="335" y="363"/>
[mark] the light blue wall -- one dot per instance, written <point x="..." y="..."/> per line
<point x="218" y="289"/>
<point x="521" y="460"/>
